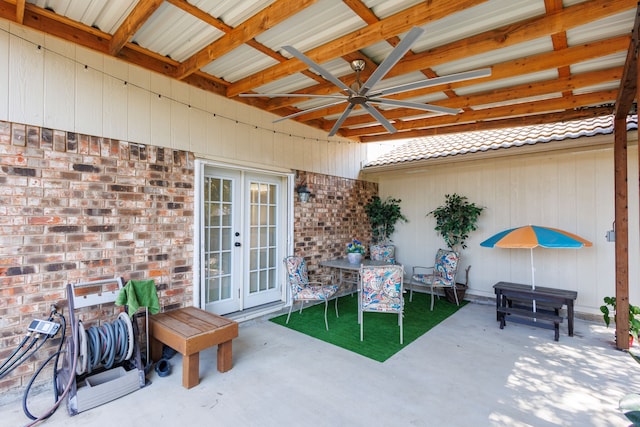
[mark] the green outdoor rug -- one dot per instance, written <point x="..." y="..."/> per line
<point x="381" y="331"/>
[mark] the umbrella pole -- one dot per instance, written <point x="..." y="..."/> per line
<point x="533" y="282"/>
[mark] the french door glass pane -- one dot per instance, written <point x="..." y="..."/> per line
<point x="262" y="218"/>
<point x="217" y="199"/>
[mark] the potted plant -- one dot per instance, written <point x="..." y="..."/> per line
<point x="455" y="219"/>
<point x="634" y="324"/>
<point x="383" y="217"/>
<point x="355" y="251"/>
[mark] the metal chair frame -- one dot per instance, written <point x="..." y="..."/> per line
<point x="434" y="279"/>
<point x="322" y="292"/>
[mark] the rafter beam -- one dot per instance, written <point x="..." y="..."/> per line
<point x="549" y="88"/>
<point x="541" y="62"/>
<point x="523" y="109"/>
<point x="132" y="23"/>
<point x="262" y="21"/>
<point x="629" y="82"/>
<point x="396" y="24"/>
<point x="20" y="11"/>
<point x="558" y="21"/>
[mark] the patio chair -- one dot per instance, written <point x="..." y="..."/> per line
<point x="381" y="290"/>
<point x="441" y="275"/>
<point x="303" y="290"/>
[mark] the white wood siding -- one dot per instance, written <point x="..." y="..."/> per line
<point x="568" y="190"/>
<point x="71" y="88"/>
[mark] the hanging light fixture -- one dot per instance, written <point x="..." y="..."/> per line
<point x="303" y="193"/>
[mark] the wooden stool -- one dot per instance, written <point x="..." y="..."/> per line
<point x="188" y="331"/>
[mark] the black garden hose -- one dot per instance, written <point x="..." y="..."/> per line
<point x="55" y="356"/>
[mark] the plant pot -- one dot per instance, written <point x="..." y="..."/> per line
<point x="461" y="290"/>
<point x="383" y="253"/>
<point x="354" y="257"/>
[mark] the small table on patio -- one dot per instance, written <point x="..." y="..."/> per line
<point x="343" y="265"/>
<point x="507" y="292"/>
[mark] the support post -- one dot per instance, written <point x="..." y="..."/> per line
<point x="622" y="233"/>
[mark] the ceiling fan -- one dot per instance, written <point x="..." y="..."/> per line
<point x="362" y="94"/>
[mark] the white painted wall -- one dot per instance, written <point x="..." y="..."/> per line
<point x="45" y="81"/>
<point x="568" y="190"/>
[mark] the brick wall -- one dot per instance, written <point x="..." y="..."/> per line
<point x="332" y="217"/>
<point x="75" y="208"/>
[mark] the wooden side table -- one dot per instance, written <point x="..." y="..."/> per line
<point x="188" y="331"/>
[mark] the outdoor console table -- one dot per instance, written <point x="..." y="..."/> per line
<point x="508" y="293"/>
<point x="188" y="331"/>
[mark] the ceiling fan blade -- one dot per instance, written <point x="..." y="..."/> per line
<point x="289" y="95"/>
<point x="416" y="105"/>
<point x="457" y="77"/>
<point x="379" y="117"/>
<point x="319" y="68"/>
<point x="309" y="110"/>
<point x="396" y="54"/>
<point x="341" y="119"/>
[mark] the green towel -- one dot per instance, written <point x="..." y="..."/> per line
<point x="139" y="293"/>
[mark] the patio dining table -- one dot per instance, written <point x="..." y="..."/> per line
<point x="347" y="270"/>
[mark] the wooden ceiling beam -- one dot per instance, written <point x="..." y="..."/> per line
<point x="554" y="24"/>
<point x="218" y="24"/>
<point x="537" y="119"/>
<point x="513" y="34"/>
<point x="541" y="62"/>
<point x="509" y="35"/>
<point x="629" y="82"/>
<point x="56" y="25"/>
<point x="20" y="11"/>
<point x="201" y="15"/>
<point x="552" y="87"/>
<point x="559" y="40"/>
<point x="132" y="23"/>
<point x="50" y="23"/>
<point x="258" y="23"/>
<point x="399" y="23"/>
<point x="514" y="110"/>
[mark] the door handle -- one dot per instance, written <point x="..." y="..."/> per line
<point x="237" y="244"/>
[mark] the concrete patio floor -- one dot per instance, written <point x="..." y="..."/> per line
<point x="464" y="372"/>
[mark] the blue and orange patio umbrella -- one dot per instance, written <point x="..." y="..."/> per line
<point x="532" y="236"/>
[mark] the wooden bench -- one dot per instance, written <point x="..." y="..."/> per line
<point x="190" y="330"/>
<point x="541" y="319"/>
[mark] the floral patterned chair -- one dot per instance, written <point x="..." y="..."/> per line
<point x="381" y="290"/>
<point x="303" y="290"/>
<point x="441" y="275"/>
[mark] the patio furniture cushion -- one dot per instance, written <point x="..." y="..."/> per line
<point x="441" y="275"/>
<point x="304" y="290"/>
<point x="381" y="290"/>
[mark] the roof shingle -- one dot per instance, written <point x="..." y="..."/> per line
<point x="472" y="142"/>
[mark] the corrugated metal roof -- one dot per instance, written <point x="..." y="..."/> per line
<point x="183" y="30"/>
<point x="174" y="33"/>
<point x="473" y="142"/>
<point x="106" y="15"/>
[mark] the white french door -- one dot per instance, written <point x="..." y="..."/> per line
<point x="243" y="237"/>
<point x="262" y="284"/>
